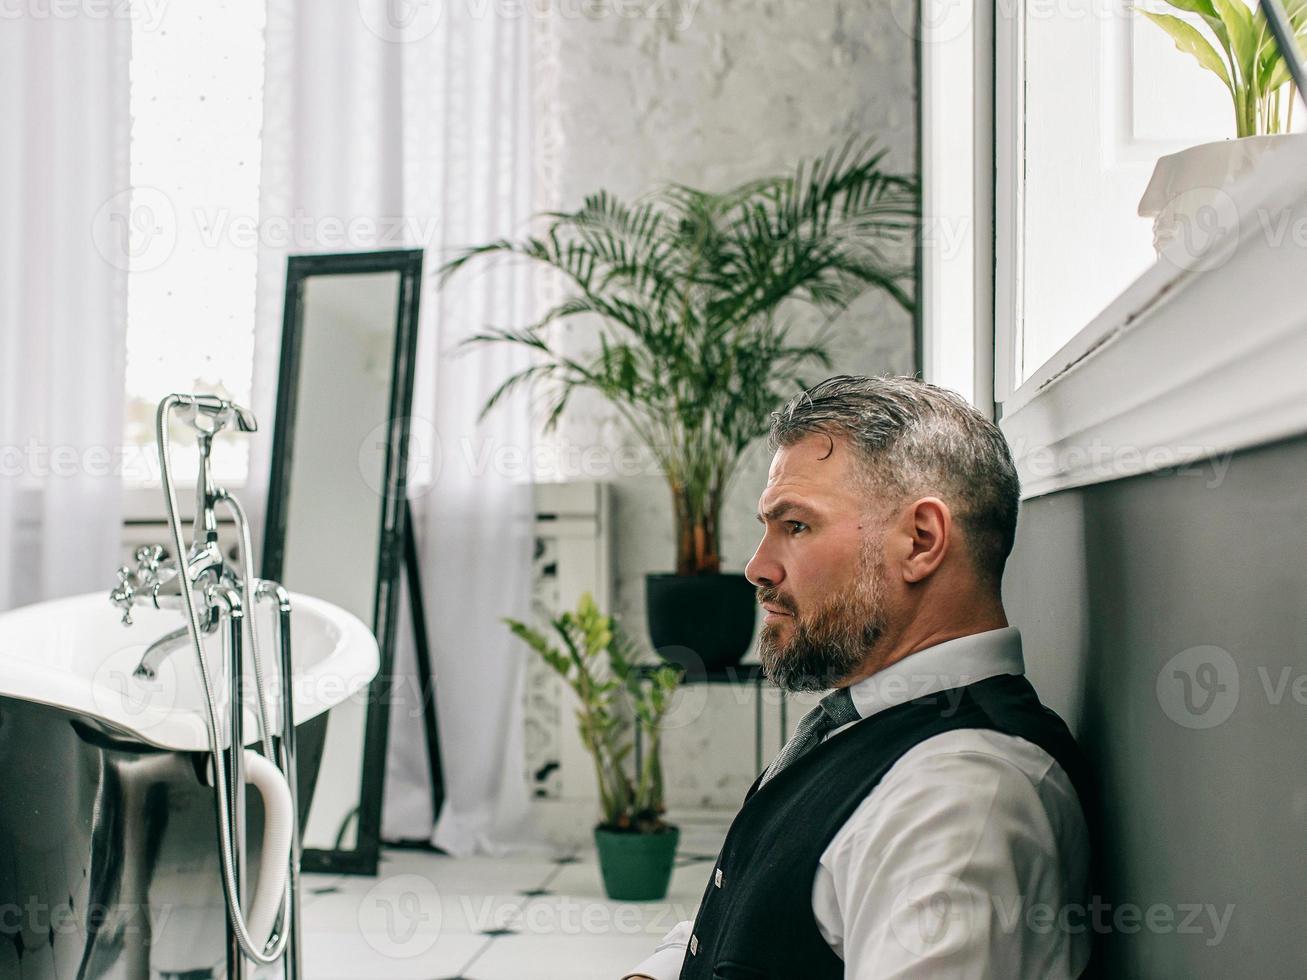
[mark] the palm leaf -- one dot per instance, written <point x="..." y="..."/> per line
<point x="689" y="290"/>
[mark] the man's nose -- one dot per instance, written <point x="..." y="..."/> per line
<point x="763" y="570"/>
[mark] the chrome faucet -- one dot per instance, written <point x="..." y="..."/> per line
<point x="212" y="594"/>
<point x="148" y="578"/>
<point x="156" y="579"/>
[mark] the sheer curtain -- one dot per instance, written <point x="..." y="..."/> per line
<point x="380" y="133"/>
<point x="65" y="250"/>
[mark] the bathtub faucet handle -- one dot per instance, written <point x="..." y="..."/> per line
<point x="148" y="557"/>
<point x="125" y="594"/>
<point x="152" y="568"/>
<point x="144" y="581"/>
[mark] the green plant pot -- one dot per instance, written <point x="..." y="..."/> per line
<point x="636" y="867"/>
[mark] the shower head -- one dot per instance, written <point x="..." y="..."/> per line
<point x="210" y="414"/>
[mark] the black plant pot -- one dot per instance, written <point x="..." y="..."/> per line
<point x="702" y="622"/>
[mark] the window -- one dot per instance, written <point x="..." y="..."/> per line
<point x="197" y="93"/>
<point x="1089" y="95"/>
<point x="1107" y="363"/>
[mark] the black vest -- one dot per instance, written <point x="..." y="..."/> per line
<point x="756" y="920"/>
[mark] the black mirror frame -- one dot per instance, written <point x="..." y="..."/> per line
<point x="364" y="857"/>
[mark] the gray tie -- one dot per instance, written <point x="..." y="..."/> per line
<point x="832" y="711"/>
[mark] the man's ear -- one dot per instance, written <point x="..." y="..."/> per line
<point x="925" y="533"/>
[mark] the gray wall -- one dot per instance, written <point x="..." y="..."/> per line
<point x="1126" y="592"/>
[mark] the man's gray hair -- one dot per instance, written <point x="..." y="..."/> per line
<point x="917" y="439"/>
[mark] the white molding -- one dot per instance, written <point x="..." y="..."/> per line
<point x="1195" y="360"/>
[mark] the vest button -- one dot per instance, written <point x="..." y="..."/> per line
<point x="718" y="878"/>
<point x="694" y="945"/>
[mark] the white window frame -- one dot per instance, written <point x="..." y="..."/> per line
<point x="957" y="199"/>
<point x="1185" y="365"/>
<point x="1009" y="151"/>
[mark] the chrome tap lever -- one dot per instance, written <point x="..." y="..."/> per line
<point x="153" y="568"/>
<point x="140" y="581"/>
<point x="125" y="594"/>
<point x="149" y="557"/>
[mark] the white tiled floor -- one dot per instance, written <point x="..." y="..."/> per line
<point x="428" y="916"/>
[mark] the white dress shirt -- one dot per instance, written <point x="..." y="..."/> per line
<point x="969" y="860"/>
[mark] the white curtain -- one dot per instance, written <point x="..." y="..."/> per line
<point x="64" y="252"/>
<point x="387" y="134"/>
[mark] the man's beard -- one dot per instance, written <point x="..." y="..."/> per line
<point x="830" y="642"/>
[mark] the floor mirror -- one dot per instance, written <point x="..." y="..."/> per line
<point x="335" y="515"/>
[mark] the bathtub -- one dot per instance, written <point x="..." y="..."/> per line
<point x="108" y="842"/>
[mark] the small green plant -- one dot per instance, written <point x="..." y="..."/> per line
<point x="1249" y="63"/>
<point x="597" y="660"/>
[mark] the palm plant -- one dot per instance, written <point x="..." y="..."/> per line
<point x="597" y="661"/>
<point x="692" y="290"/>
<point x="1249" y="62"/>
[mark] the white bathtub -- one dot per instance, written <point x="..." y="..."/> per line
<point x="75" y="654"/>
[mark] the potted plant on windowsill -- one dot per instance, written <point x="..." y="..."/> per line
<point x="595" y="659"/>
<point x="1242" y="53"/>
<point x="692" y="291"/>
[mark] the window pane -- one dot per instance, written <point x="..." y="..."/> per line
<point x="197" y="91"/>
<point x="1106" y="94"/>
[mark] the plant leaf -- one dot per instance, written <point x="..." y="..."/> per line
<point x="1188" y="39"/>
<point x="1205" y="10"/>
<point x="1238" y="21"/>
<point x="691" y="291"/>
<point x="1279" y="75"/>
<point x="1275" y="71"/>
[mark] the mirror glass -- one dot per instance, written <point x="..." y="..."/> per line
<point x="344" y="391"/>
<point x="344" y="395"/>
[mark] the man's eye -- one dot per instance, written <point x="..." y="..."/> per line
<point x="796" y="526"/>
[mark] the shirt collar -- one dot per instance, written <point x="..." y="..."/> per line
<point x="953" y="663"/>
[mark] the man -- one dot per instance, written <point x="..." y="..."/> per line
<point x="924" y="820"/>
